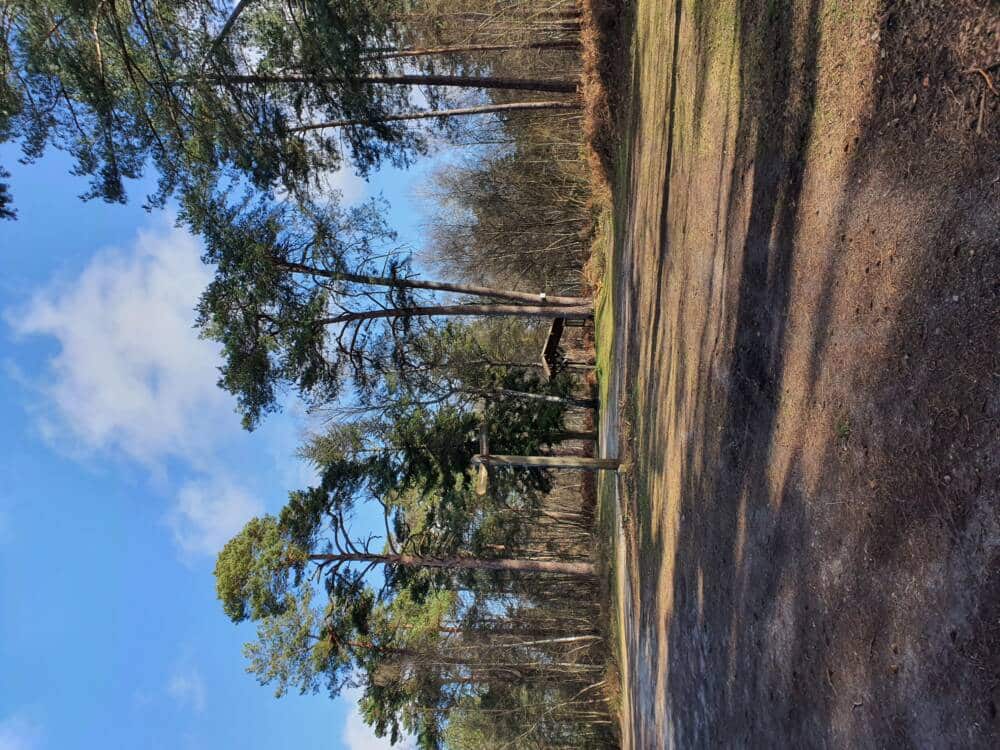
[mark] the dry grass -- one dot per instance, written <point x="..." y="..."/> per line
<point x="806" y="365"/>
<point x="600" y="26"/>
<point x="594" y="270"/>
<point x="602" y="86"/>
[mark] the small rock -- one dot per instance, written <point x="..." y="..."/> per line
<point x="947" y="478"/>
<point x="954" y="298"/>
<point x="927" y="82"/>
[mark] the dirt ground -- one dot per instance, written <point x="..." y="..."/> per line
<point x="806" y="294"/>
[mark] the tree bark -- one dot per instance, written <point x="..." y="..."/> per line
<point x="428" y="51"/>
<point x="580" y="312"/>
<point x="438" y="286"/>
<point x="588" y="403"/>
<point x="414" y="79"/>
<point x="580" y="569"/>
<point x="441" y="113"/>
<point x="576" y="435"/>
<point x="226" y="27"/>
<point x="584" y="463"/>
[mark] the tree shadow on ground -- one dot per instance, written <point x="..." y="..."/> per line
<point x="759" y="642"/>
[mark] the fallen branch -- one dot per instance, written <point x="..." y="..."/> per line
<point x="987" y="77"/>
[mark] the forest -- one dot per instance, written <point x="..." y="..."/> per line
<point x="473" y="613"/>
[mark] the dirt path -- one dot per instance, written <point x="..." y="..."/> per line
<point x="807" y="304"/>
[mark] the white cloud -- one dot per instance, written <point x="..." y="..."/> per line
<point x="131" y="375"/>
<point x="131" y="378"/>
<point x="347" y="183"/>
<point x="359" y="736"/>
<point x="18" y="732"/>
<point x="187" y="688"/>
<point x="208" y="513"/>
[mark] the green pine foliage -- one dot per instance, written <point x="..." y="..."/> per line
<point x="447" y="640"/>
<point x="125" y="85"/>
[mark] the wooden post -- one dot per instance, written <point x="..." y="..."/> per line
<point x="582" y="463"/>
<point x="483" y="479"/>
<point x="549" y="462"/>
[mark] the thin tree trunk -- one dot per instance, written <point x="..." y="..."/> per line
<point x="574" y="519"/>
<point x="584" y="463"/>
<point x="570" y="401"/>
<point x="427" y="51"/>
<point x="415" y="79"/>
<point x="581" y="312"/>
<point x="576" y="435"/>
<point x="436" y="286"/>
<point x="224" y="31"/>
<point x="580" y="569"/>
<point x="440" y="113"/>
<point x="542" y="642"/>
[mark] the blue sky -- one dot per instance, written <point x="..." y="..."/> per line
<point x="122" y="471"/>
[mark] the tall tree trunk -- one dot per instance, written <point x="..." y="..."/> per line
<point x="583" y="463"/>
<point x="576" y="312"/>
<point x="428" y="51"/>
<point x="576" y="435"/>
<point x="414" y="79"/>
<point x="440" y="113"/>
<point x="437" y="286"/>
<point x="588" y="403"/>
<point x="580" y="569"/>
<point x="224" y="31"/>
<point x="496" y="643"/>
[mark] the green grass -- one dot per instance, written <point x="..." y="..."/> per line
<point x="604" y="338"/>
<point x="604" y="312"/>
<point x="607" y="532"/>
<point x="842" y="428"/>
<point x="607" y="248"/>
